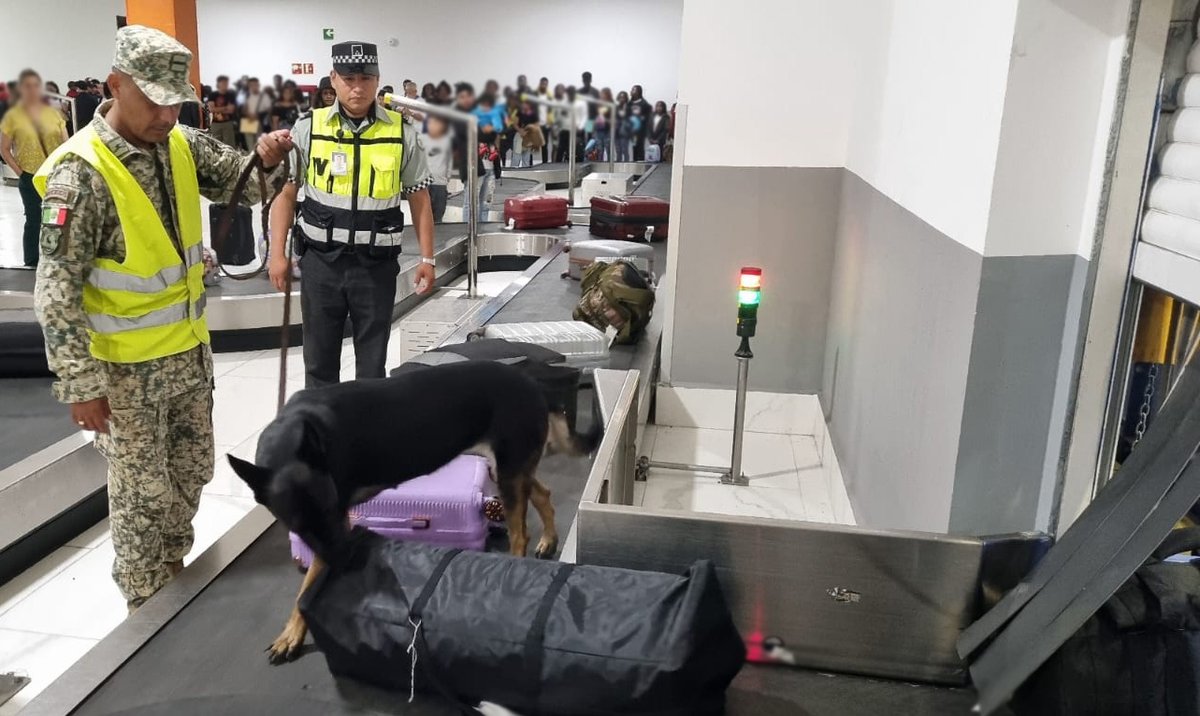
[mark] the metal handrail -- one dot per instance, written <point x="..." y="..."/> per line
<point x="471" y="146"/>
<point x="612" y="126"/>
<point x="70" y="101"/>
<point x="615" y="459"/>
<point x="570" y="108"/>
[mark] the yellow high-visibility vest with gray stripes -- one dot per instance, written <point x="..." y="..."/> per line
<point x="151" y="304"/>
<point x="352" y="188"/>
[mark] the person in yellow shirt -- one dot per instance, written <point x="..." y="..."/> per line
<point x="29" y="132"/>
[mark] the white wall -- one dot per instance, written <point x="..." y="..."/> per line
<point x="1058" y="111"/>
<point x="622" y="42"/>
<point x="62" y="39"/>
<point x="791" y="66"/>
<point x="928" y="108"/>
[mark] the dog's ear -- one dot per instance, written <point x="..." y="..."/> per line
<point x="258" y="478"/>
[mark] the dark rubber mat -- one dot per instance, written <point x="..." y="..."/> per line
<point x="30" y="419"/>
<point x="1156" y="486"/>
<point x="209" y="660"/>
<point x="20" y="280"/>
<point x="657" y="183"/>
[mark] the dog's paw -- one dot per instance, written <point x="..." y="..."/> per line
<point x="285" y="648"/>
<point x="546" y="548"/>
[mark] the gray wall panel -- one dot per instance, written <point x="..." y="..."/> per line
<point x="900" y="326"/>
<point x="782" y="219"/>
<point x="1020" y="370"/>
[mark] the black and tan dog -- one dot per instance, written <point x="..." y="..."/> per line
<point x="334" y="447"/>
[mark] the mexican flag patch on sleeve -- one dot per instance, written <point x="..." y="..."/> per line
<point x="54" y="215"/>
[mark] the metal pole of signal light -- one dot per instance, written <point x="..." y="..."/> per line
<point x="471" y="148"/>
<point x="749" y="294"/>
<point x="612" y="128"/>
<point x="570" y="109"/>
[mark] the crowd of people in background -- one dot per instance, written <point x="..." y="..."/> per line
<point x="513" y="130"/>
<point x="520" y="131"/>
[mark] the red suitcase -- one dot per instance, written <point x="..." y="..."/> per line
<point x="536" y="212"/>
<point x="627" y="217"/>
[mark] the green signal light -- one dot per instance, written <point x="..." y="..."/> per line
<point x="749" y="297"/>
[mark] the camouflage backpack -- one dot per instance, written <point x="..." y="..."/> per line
<point x="615" y="295"/>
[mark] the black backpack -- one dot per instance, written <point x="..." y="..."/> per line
<point x="1139" y="655"/>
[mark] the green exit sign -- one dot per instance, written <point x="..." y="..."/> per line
<point x="327" y="33"/>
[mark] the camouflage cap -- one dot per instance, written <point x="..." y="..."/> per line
<point x="158" y="63"/>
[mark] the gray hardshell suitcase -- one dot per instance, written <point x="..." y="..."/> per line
<point x="583" y="253"/>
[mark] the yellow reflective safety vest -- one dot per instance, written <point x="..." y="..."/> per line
<point x="151" y="304"/>
<point x="352" y="189"/>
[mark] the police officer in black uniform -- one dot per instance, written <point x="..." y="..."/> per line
<point x="355" y="161"/>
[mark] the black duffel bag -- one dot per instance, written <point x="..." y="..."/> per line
<point x="1139" y="655"/>
<point x="22" y="350"/>
<point x="238" y="247"/>
<point x="533" y="636"/>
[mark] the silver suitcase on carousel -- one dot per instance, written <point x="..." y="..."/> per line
<point x="584" y="253"/>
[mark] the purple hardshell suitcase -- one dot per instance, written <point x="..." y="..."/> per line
<point x="445" y="507"/>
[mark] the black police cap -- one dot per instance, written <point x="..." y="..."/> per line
<point x="354" y="57"/>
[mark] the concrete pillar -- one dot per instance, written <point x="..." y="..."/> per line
<point x="174" y="17"/>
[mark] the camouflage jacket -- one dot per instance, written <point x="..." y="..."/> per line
<point x="92" y="230"/>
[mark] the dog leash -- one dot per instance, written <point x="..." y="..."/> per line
<point x="225" y="225"/>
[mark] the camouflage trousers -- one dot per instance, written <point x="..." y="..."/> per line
<point x="160" y="455"/>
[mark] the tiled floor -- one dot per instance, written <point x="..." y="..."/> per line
<point x="12" y="221"/>
<point x="786" y="475"/>
<point x="54" y="612"/>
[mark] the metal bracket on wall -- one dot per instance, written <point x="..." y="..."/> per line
<point x="10" y="684"/>
<point x="644" y="464"/>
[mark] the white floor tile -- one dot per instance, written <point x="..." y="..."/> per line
<point x="41" y="657"/>
<point x="80" y="601"/>
<point x="266" y="365"/>
<point x="25" y="583"/>
<point x="843" y="510"/>
<point x="781" y="413"/>
<point x="248" y="448"/>
<point x="225" y="481"/>
<point x="695" y="493"/>
<point x="224" y="363"/>
<point x="818" y="484"/>
<point x="646" y="445"/>
<point x="804" y="449"/>
<point x="816" y="496"/>
<point x="217" y="514"/>
<point x="639" y="493"/>
<point x="242" y="406"/>
<point x="12" y="222"/>
<point x="767" y="459"/>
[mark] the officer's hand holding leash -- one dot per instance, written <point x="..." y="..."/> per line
<point x="273" y="147"/>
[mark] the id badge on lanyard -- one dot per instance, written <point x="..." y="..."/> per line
<point x="339" y="164"/>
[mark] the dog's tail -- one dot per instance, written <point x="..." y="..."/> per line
<point x="563" y="441"/>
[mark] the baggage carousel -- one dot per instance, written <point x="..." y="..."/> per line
<point x="197" y="646"/>
<point x="246" y="314"/>
<point x="553" y="175"/>
<point x="51" y="480"/>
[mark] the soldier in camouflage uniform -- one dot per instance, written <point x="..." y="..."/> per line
<point x="153" y="418"/>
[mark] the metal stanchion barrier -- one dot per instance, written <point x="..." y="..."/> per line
<point x="472" y="123"/>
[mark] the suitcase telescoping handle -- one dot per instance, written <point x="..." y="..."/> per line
<point x="412" y="523"/>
